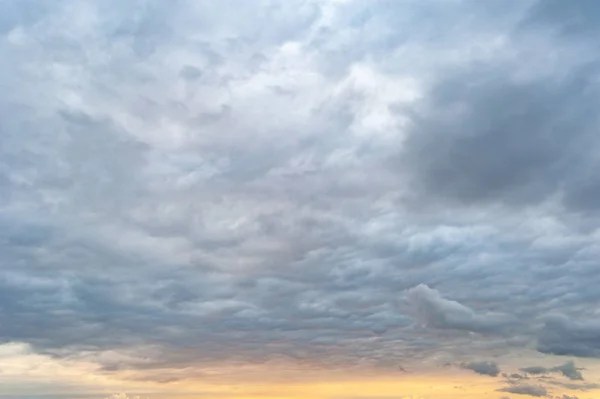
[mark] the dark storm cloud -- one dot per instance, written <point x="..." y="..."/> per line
<point x="484" y="368"/>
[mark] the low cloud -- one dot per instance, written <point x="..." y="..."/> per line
<point x="586" y="386"/>
<point x="515" y="376"/>
<point x="484" y="368"/>
<point x="531" y="390"/>
<point x="567" y="369"/>
<point x="123" y="396"/>
<point x="535" y="370"/>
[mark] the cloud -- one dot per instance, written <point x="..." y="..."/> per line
<point x="484" y="368"/>
<point x="531" y="390"/>
<point x="184" y="186"/>
<point x="562" y="336"/>
<point x="535" y="370"/>
<point x="574" y="385"/>
<point x="474" y="121"/>
<point x="570" y="21"/>
<point x="567" y="369"/>
<point x="438" y="312"/>
<point x="515" y="376"/>
<point x="123" y="396"/>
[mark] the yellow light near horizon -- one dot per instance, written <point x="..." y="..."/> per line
<point x="409" y="386"/>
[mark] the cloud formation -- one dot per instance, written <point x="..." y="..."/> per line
<point x="567" y="369"/>
<point x="484" y="368"/>
<point x="562" y="336"/>
<point x="338" y="184"/>
<point x="530" y="390"/>
<point x="438" y="312"/>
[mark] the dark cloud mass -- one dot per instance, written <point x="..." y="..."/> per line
<point x="563" y="336"/>
<point x="334" y="183"/>
<point x="509" y="141"/>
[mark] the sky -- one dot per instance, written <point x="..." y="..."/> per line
<point x="299" y="199"/>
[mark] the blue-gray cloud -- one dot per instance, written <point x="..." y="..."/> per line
<point x="385" y="183"/>
<point x="530" y="390"/>
<point x="567" y="369"/>
<point x="563" y="336"/>
<point x="485" y="368"/>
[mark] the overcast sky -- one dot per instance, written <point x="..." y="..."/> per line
<point x="258" y="198"/>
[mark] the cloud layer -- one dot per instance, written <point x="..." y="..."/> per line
<point x="336" y="184"/>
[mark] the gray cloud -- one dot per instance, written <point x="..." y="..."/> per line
<point x="515" y="376"/>
<point x="531" y="390"/>
<point x="438" y="312"/>
<point x="535" y="370"/>
<point x="184" y="185"/>
<point x="484" y="138"/>
<point x="569" y="20"/>
<point x="484" y="368"/>
<point x="499" y="133"/>
<point x="563" y="336"/>
<point x="583" y="387"/>
<point x="567" y="369"/>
